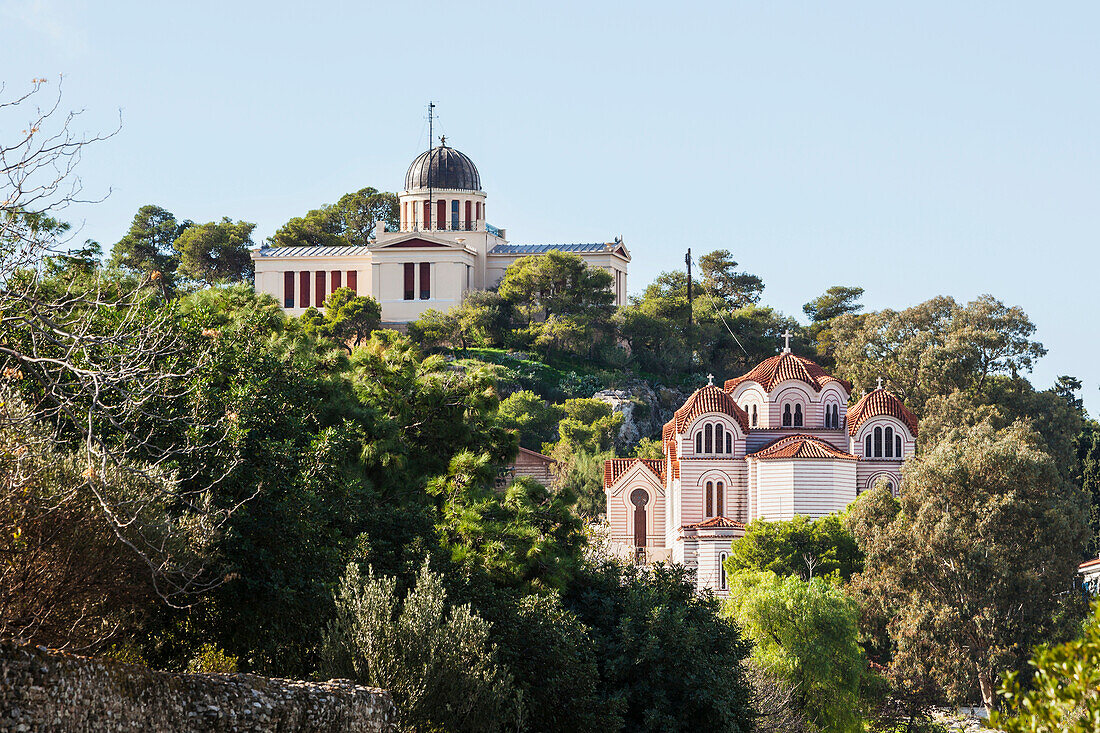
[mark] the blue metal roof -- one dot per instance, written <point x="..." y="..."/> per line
<point x="347" y="251"/>
<point x="534" y="249"/>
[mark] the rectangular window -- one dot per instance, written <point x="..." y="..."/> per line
<point x="320" y="288"/>
<point x="337" y="279"/>
<point x="303" y="287"/>
<point x="425" y="280"/>
<point x="441" y="214"/>
<point x="288" y="289"/>
<point x="479" y="211"/>
<point x="469" y="225"/>
<point x="353" y="281"/>
<point x="410" y="281"/>
<point x="454" y="214"/>
<point x="427" y="215"/>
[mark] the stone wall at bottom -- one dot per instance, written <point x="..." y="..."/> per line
<point x="47" y="690"/>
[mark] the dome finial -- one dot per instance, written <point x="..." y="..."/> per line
<point x="787" y="341"/>
<point x="443" y="140"/>
<point x="880" y="383"/>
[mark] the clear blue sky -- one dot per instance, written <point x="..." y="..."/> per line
<point x="936" y="148"/>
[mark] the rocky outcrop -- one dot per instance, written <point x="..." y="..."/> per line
<point x="645" y="408"/>
<point x="45" y="690"/>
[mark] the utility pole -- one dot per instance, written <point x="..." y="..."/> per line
<point x="687" y="261"/>
<point x="431" y="136"/>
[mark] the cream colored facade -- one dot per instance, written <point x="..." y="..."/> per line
<point x="443" y="249"/>
<point x="777" y="442"/>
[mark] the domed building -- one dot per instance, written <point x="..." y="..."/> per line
<point x="443" y="248"/>
<point x="776" y="442"/>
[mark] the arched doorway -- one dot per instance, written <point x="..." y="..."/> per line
<point x="639" y="498"/>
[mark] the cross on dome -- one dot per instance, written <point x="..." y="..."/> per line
<point x="710" y="380"/>
<point x="787" y="341"/>
<point x="880" y="382"/>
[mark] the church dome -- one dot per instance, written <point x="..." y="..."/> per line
<point x="787" y="366"/>
<point x="442" y="167"/>
<point x="878" y="403"/>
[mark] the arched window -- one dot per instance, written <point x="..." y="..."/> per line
<point x="718" y="438"/>
<point x="720" y="501"/>
<point x="889" y="442"/>
<point x="723" y="581"/>
<point x="708" y="431"/>
<point x="787" y="415"/>
<point x="699" y="442"/>
<point x="897" y="445"/>
<point x="754" y="416"/>
<point x="878" y="442"/>
<point x="729" y="442"/>
<point x="709" y="499"/>
<point x="867" y="446"/>
<point x="836" y="416"/>
<point x="639" y="498"/>
<point x="798" y="416"/>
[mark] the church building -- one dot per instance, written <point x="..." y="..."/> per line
<point x="443" y="248"/>
<point x="773" y="443"/>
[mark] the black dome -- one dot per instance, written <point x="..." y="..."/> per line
<point x="442" y="167"/>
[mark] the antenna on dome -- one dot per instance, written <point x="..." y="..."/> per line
<point x="431" y="136"/>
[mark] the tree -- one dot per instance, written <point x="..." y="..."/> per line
<point x="532" y="417"/>
<point x="216" y="252"/>
<point x="148" y="246"/>
<point x="565" y="304"/>
<point x="350" y="221"/>
<point x="350" y="318"/>
<point x="984" y="520"/>
<point x="838" y="300"/>
<point x="589" y="424"/>
<point x="1063" y="693"/>
<point x="1088" y="466"/>
<point x="934" y="348"/>
<point x="801" y="547"/>
<point x="805" y="633"/>
<point x="666" y="658"/>
<point x="722" y="280"/>
<point x="650" y="448"/>
<point x="437" y="662"/>
<point x="69" y="579"/>
<point x="101" y="358"/>
<point x="482" y="319"/>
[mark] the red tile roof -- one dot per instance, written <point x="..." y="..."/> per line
<point x="801" y="446"/>
<point x="709" y="399"/>
<point x="1089" y="565"/>
<point x="715" y="523"/>
<point x="879" y="402"/>
<point x="781" y="367"/>
<point x="616" y="467"/>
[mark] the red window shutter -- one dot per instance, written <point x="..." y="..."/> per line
<point x="427" y="224"/>
<point x="320" y="289"/>
<point x="410" y="281"/>
<point x="288" y="289"/>
<point x="441" y="214"/>
<point x="479" y="211"/>
<point x="303" y="280"/>
<point x="469" y="224"/>
<point x="337" y="277"/>
<point x="425" y="280"/>
<point x="353" y="277"/>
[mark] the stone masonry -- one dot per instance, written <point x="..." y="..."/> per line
<point x="46" y="690"/>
